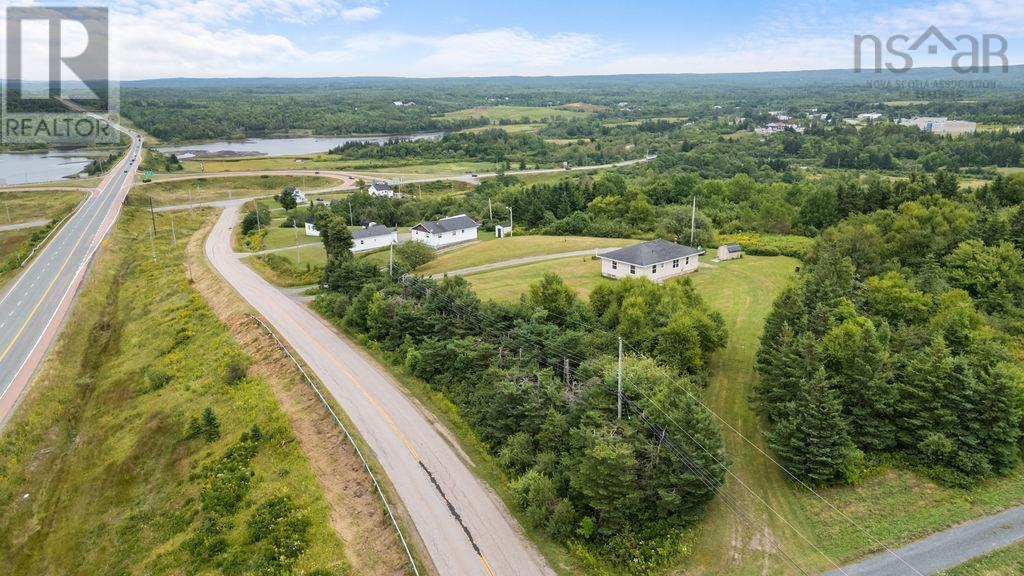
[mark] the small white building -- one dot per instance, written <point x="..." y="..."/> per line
<point x="657" y="260"/>
<point x="869" y="116"/>
<point x="311" y="227"/>
<point x="447" y="231"/>
<point x="299" y="195"/>
<point x="381" y="189"/>
<point x="943" y="126"/>
<point x="373" y="236"/>
<point x="730" y="251"/>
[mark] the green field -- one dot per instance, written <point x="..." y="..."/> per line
<point x="532" y="114"/>
<point x="510" y="128"/>
<point x="278" y="237"/>
<point x="515" y="247"/>
<point x="99" y="473"/>
<point x="180" y="192"/>
<point x="27" y="206"/>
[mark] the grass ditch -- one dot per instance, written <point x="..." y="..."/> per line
<point x="148" y="446"/>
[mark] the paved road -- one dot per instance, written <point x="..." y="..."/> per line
<point x="402" y="437"/>
<point x="946" y="549"/>
<point x="23" y="225"/>
<point x="34" y="304"/>
<point x="347" y="179"/>
<point x="521" y="261"/>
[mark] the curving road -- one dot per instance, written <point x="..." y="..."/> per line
<point x="34" y="305"/>
<point x="466" y="529"/>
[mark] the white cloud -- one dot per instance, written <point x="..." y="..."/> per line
<point x="360" y="13"/>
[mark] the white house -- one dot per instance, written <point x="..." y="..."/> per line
<point x="730" y="251"/>
<point x="447" y="231"/>
<point x="657" y="260"/>
<point x="299" y="195"/>
<point x="311" y="227"/>
<point x="373" y="236"/>
<point x="381" y="189"/>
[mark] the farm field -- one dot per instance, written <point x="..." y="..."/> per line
<point x="515" y="247"/>
<point x="180" y="192"/>
<point x="28" y="206"/>
<point x="532" y="114"/>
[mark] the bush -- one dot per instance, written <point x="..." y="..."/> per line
<point x="412" y="255"/>
<point x="158" y="378"/>
<point x="236" y="370"/>
<point x="761" y="244"/>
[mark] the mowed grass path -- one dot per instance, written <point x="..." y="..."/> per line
<point x="532" y="113"/>
<point x="515" y="247"/>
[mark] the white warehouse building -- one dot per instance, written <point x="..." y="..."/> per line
<point x="656" y="260"/>
<point x="446" y="231"/>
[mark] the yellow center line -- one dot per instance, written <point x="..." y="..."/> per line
<point x="56" y="276"/>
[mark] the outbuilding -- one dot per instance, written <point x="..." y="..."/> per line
<point x="657" y="260"/>
<point x="446" y="231"/>
<point x="730" y="251"/>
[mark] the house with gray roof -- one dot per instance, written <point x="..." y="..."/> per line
<point x="380" y="189"/>
<point x="373" y="236"/>
<point x="656" y="260"/>
<point x="446" y="231"/>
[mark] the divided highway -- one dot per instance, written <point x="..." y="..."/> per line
<point x="33" y="306"/>
<point x="464" y="526"/>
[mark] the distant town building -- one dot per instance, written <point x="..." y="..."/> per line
<point x="657" y="260"/>
<point x="776" y="127"/>
<point x="941" y="125"/>
<point x="446" y="231"/>
<point x="373" y="236"/>
<point x="381" y="189"/>
<point x="869" y="116"/>
<point x="730" y="251"/>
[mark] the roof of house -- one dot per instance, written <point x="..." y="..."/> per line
<point x="733" y="248"/>
<point x="653" y="252"/>
<point x="371" y="231"/>
<point x="449" y="224"/>
<point x="380" y="185"/>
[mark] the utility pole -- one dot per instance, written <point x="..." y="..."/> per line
<point x="351" y="220"/>
<point x="174" y="235"/>
<point x="256" y="206"/>
<point x="509" y="220"/>
<point x="490" y="212"/>
<point x="566" y="372"/>
<point x="619" y="398"/>
<point x="693" y="219"/>
<point x="391" y="259"/>
<point x="152" y="232"/>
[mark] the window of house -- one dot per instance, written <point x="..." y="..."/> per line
<point x="687" y="260"/>
<point x="615" y="265"/>
<point x="360" y="242"/>
<point x="654" y="268"/>
<point x="632" y="269"/>
<point x="675" y="263"/>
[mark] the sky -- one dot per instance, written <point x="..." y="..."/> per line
<point x="442" y="38"/>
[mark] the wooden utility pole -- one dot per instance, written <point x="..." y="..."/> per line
<point x="619" y="398"/>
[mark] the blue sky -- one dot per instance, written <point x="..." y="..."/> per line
<point x="430" y="38"/>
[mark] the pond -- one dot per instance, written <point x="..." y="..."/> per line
<point x="36" y="167"/>
<point x="284" y="146"/>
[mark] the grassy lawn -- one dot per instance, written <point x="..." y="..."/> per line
<point x="411" y="171"/>
<point x="99" y="474"/>
<point x="1006" y="562"/>
<point x="312" y="254"/>
<point x="583" y="273"/>
<point x="515" y="247"/>
<point x="533" y="114"/>
<point x="12" y="241"/>
<point x="278" y="237"/>
<point x="211" y="189"/>
<point x="26" y="206"/>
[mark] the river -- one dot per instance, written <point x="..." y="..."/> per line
<point x="36" y="167"/>
<point x="284" y="146"/>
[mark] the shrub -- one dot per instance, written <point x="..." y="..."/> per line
<point x="236" y="370"/>
<point x="158" y="378"/>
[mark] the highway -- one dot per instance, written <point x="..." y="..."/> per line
<point x="33" y="305"/>
<point x="465" y="528"/>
